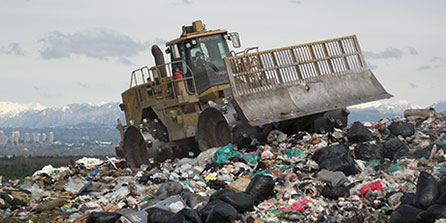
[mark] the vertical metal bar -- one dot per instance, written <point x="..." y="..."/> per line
<point x="358" y="50"/>
<point x="293" y="57"/>
<point x="327" y="57"/>
<point x="282" y="63"/>
<point x="306" y="66"/>
<point x="316" y="65"/>
<point x="341" y="47"/>
<point x="334" y="53"/>
<point x="311" y="66"/>
<point x="279" y="75"/>
<point x="262" y="67"/>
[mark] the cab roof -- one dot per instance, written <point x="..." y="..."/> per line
<point x="196" y="30"/>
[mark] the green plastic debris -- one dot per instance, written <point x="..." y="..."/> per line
<point x="284" y="167"/>
<point x="385" y="208"/>
<point x="394" y="168"/>
<point x="290" y="153"/>
<point x="225" y="153"/>
<point x="251" y="158"/>
<point x="441" y="170"/>
<point x="373" y="163"/>
<point x="441" y="144"/>
<point x="185" y="183"/>
<point x="263" y="172"/>
<point x="273" y="213"/>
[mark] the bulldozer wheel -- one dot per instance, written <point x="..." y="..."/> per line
<point x="135" y="151"/>
<point x="213" y="129"/>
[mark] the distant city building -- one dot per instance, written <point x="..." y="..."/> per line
<point x="15" y="136"/>
<point x="3" y="139"/>
<point x="36" y="137"/>
<point x="43" y="137"/>
<point x="27" y="138"/>
<point x="51" y="137"/>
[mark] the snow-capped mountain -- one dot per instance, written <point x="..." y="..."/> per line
<point x="38" y="116"/>
<point x="73" y="114"/>
<point x="374" y="111"/>
<point x="10" y="109"/>
<point x="385" y="107"/>
<point x="440" y="106"/>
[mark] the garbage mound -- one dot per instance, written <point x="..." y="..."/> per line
<point x="388" y="171"/>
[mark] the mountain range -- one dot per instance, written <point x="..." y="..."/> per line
<point x="38" y="116"/>
<point x="27" y="116"/>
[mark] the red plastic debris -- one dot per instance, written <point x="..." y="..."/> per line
<point x="299" y="205"/>
<point x="374" y="186"/>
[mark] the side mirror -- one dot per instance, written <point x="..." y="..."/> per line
<point x="235" y="38"/>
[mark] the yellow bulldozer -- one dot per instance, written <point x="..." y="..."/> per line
<point x="209" y="95"/>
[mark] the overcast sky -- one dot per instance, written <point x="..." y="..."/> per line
<point x="57" y="52"/>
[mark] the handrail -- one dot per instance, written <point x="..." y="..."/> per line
<point x="160" y="86"/>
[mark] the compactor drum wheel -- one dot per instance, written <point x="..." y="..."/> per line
<point x="140" y="145"/>
<point x="135" y="151"/>
<point x="213" y="129"/>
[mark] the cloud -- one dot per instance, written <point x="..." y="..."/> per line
<point x="372" y="66"/>
<point x="413" y="51"/>
<point x="125" y="61"/>
<point x="386" y="54"/>
<point x="412" y="85"/>
<point x="83" y="85"/>
<point x="425" y="67"/>
<point x="295" y="1"/>
<point x="96" y="43"/>
<point x="13" y="49"/>
<point x="437" y="59"/>
<point x="181" y="2"/>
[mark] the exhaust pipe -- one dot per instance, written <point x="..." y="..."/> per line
<point x="159" y="59"/>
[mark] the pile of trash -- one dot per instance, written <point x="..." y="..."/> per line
<point x="391" y="170"/>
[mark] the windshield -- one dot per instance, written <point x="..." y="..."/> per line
<point x="209" y="51"/>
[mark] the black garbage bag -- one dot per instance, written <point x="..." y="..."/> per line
<point x="204" y="211"/>
<point x="408" y="198"/>
<point x="394" y="148"/>
<point x="367" y="152"/>
<point x="426" y="190"/>
<point x="442" y="184"/>
<point x="186" y="215"/>
<point x="222" y="212"/>
<point x="336" y="192"/>
<point x="219" y="193"/>
<point x="239" y="200"/>
<point x="405" y="214"/>
<point x="358" y="133"/>
<point x="158" y="215"/>
<point x="425" y="152"/>
<point x="168" y="189"/>
<point x="402" y="128"/>
<point x="216" y="184"/>
<point x="336" y="158"/>
<point x="103" y="217"/>
<point x="434" y="212"/>
<point x="441" y="199"/>
<point x="260" y="188"/>
<point x="193" y="200"/>
<point x="421" y="153"/>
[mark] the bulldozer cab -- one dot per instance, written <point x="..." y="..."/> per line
<point x="204" y="52"/>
